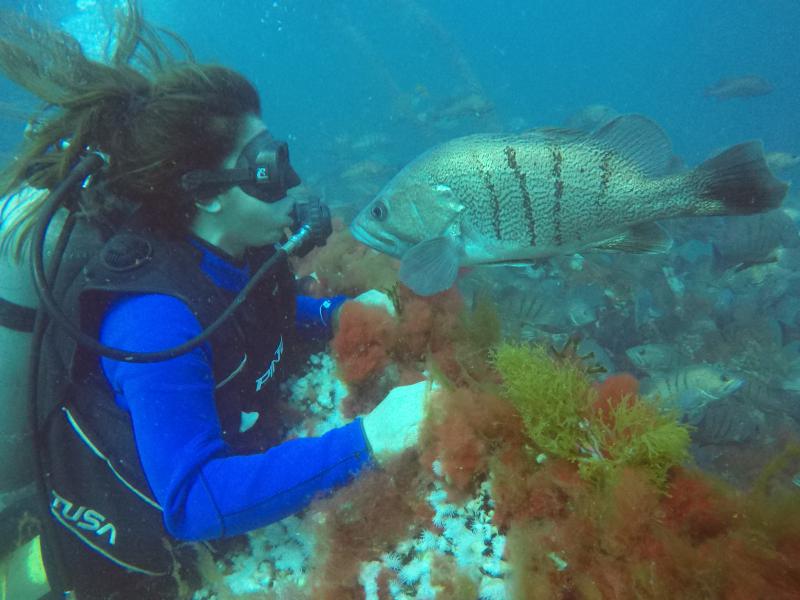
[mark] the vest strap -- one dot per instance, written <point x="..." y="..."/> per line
<point x="16" y="317"/>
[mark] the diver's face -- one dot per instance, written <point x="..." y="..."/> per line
<point x="240" y="221"/>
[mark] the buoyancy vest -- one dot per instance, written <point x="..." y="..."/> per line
<point x="107" y="516"/>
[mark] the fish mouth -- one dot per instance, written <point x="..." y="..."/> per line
<point x="376" y="241"/>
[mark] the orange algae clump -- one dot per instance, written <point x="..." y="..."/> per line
<point x="627" y="539"/>
<point x="464" y="427"/>
<point x="695" y="507"/>
<point x="362" y="341"/>
<point x="613" y="390"/>
<point x="426" y="327"/>
<point x="363" y="520"/>
<point x="523" y="490"/>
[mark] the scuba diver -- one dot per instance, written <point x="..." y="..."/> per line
<point x="153" y="205"/>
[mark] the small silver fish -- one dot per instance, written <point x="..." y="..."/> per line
<point x="782" y="161"/>
<point x="473" y="105"/>
<point x="744" y="86"/>
<point x="654" y="357"/>
<point x="691" y="388"/>
<point x="489" y="199"/>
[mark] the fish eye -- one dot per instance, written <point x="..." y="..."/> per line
<point x="378" y="211"/>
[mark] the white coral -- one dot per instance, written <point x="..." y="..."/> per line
<point x="411" y="573"/>
<point x="393" y="561"/>
<point x="426" y="540"/>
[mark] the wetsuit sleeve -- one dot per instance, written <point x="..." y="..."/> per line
<point x="205" y="490"/>
<point x="314" y="315"/>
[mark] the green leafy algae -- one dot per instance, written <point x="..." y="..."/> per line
<point x="564" y="417"/>
<point x="552" y="399"/>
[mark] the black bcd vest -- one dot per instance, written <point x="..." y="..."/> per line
<point x="111" y="534"/>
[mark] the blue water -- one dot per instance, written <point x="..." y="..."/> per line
<point x="328" y="69"/>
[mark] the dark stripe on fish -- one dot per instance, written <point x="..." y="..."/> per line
<point x="495" y="200"/>
<point x="527" y="206"/>
<point x="558" y="192"/>
<point x="605" y="174"/>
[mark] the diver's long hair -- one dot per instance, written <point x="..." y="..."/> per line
<point x="156" y="117"/>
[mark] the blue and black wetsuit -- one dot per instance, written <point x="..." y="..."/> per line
<point x="142" y="455"/>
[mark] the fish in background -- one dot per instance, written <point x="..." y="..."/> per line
<point x="655" y="357"/>
<point x="365" y="169"/>
<point x="744" y="86"/>
<point x="729" y="421"/>
<point x="591" y="117"/>
<point x="742" y="243"/>
<point x="782" y="161"/>
<point x="510" y="199"/>
<point x="535" y="309"/>
<point x="470" y="105"/>
<point x="453" y="112"/>
<point x="691" y="389"/>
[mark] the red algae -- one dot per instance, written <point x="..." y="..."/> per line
<point x="611" y="392"/>
<point x="464" y="429"/>
<point x="693" y="506"/>
<point x="627" y="535"/>
<point x="362" y="341"/>
<point x="363" y="520"/>
<point x="427" y="326"/>
<point x="461" y="452"/>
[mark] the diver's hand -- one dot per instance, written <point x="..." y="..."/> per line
<point x="393" y="425"/>
<point x="377" y="298"/>
<point x="370" y="298"/>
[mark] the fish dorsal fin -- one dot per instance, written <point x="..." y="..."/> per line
<point x="431" y="266"/>
<point x="647" y="238"/>
<point x="639" y="140"/>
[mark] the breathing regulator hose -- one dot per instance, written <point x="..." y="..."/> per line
<point x="311" y="220"/>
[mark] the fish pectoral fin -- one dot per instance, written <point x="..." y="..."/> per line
<point x="647" y="238"/>
<point x="639" y="140"/>
<point x="431" y="266"/>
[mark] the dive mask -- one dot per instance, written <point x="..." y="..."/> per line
<point x="262" y="171"/>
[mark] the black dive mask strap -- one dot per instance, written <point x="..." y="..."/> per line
<point x="207" y="184"/>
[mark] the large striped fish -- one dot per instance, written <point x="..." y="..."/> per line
<point x="485" y="199"/>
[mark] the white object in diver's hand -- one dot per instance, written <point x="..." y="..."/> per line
<point x="393" y="425"/>
<point x="377" y="298"/>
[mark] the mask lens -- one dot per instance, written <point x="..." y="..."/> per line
<point x="268" y="160"/>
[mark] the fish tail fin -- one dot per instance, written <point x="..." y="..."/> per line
<point x="737" y="182"/>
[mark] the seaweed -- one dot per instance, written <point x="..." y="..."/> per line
<point x="564" y="416"/>
<point x="553" y="400"/>
<point x="362" y="341"/>
<point x="635" y="433"/>
<point x="363" y="520"/>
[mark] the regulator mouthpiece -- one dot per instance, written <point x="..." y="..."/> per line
<point x="312" y="219"/>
